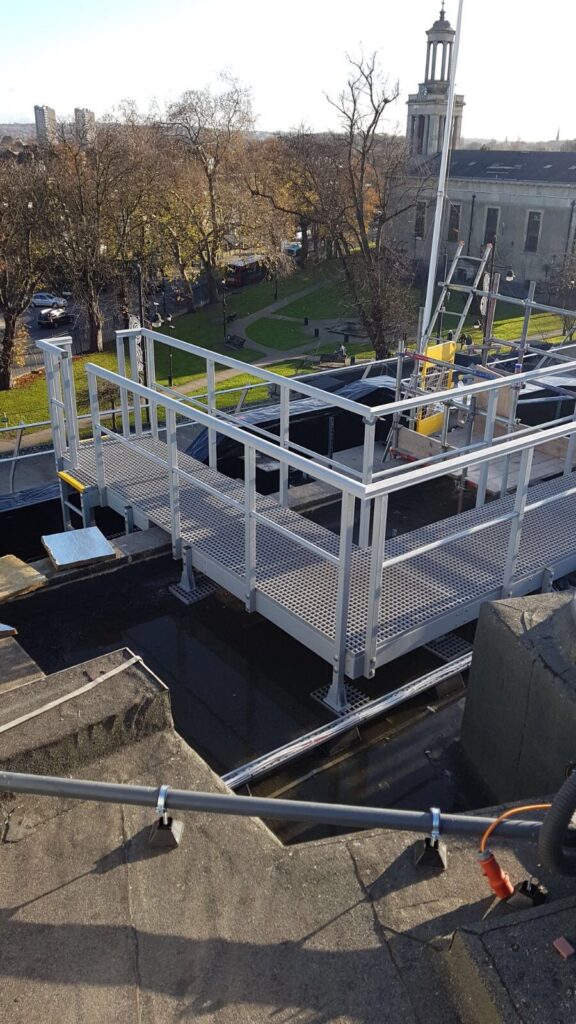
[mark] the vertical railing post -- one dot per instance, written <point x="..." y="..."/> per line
<point x="375" y="583"/>
<point x="249" y="526"/>
<point x="516" y="523"/>
<point x="367" y="470"/>
<point x="51" y="371"/>
<point x="97" y="435"/>
<point x="212" y="436"/>
<point x="336" y="696"/>
<point x="69" y="400"/>
<point x="121" y="359"/>
<point x="488" y="438"/>
<point x="173" y="482"/>
<point x="59" y="403"/>
<point x="284" y="440"/>
<point x="135" y="375"/>
<point x="569" y="458"/>
<point x="445" y="425"/>
<point x="151" y="383"/>
<point x="515" y="391"/>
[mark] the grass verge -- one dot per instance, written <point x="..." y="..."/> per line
<point x="278" y="334"/>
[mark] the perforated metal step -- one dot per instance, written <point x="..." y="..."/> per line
<point x="448" y="646"/>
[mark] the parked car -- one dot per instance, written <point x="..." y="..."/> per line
<point x="54" y="317"/>
<point x="49" y="299"/>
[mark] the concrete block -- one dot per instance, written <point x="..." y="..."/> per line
<point x="520" y="717"/>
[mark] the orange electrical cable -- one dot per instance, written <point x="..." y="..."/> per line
<point x="508" y="814"/>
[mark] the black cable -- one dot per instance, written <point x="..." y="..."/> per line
<point x="554" y="854"/>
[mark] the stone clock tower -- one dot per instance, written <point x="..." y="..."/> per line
<point x="427" y="108"/>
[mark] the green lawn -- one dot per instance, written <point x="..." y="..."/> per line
<point x="28" y="402"/>
<point x="359" y="349"/>
<point x="254" y="297"/>
<point x="258" y="393"/>
<point x="330" y="300"/>
<point x="204" y="329"/>
<point x="508" y="321"/>
<point x="278" y="334"/>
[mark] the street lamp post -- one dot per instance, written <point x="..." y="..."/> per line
<point x="224" y="317"/>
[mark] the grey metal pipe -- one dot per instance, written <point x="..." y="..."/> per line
<point x="310" y="741"/>
<point x="344" y="815"/>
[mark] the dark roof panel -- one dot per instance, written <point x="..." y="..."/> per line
<point x="513" y="165"/>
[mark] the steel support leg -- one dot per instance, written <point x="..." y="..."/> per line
<point x="128" y="519"/>
<point x="187" y="580"/>
<point x="336" y="696"/>
<point x="375" y="584"/>
<point x="66" y="519"/>
<point x="88" y="499"/>
<point x="547" y="581"/>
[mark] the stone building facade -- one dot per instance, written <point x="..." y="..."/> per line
<point x="523" y="202"/>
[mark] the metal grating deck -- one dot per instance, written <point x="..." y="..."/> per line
<point x="432" y="593"/>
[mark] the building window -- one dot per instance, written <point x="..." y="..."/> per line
<point x="420" y="221"/>
<point x="533" y="231"/>
<point x="454" y="223"/>
<point x="491" y="229"/>
<point x="421" y="134"/>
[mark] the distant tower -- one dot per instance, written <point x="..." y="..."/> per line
<point x="427" y="107"/>
<point x="45" y="118"/>
<point x="85" y="125"/>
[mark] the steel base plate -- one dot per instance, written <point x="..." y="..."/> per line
<point x="204" y="587"/>
<point x="354" y="699"/>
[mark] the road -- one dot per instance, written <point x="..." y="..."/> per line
<point x="110" y="306"/>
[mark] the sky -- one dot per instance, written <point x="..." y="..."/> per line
<point x="515" y="64"/>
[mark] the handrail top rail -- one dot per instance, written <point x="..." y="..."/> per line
<point x="237" y="433"/>
<point x="489" y="453"/>
<point x="370" y="414"/>
<point x="379" y="488"/>
<point x="258" y="371"/>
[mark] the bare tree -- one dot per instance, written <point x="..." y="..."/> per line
<point x="371" y="186"/>
<point x="99" y="197"/>
<point x="23" y="247"/>
<point x="562" y="288"/>
<point x="210" y="129"/>
<point x="281" y="172"/>
<point x="350" y="186"/>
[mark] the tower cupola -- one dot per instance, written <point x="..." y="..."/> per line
<point x="427" y="108"/>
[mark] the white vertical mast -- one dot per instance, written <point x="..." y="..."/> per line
<point x="441" y="193"/>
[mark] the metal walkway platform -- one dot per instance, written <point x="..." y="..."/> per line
<point x="422" y="597"/>
<point x="356" y="606"/>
